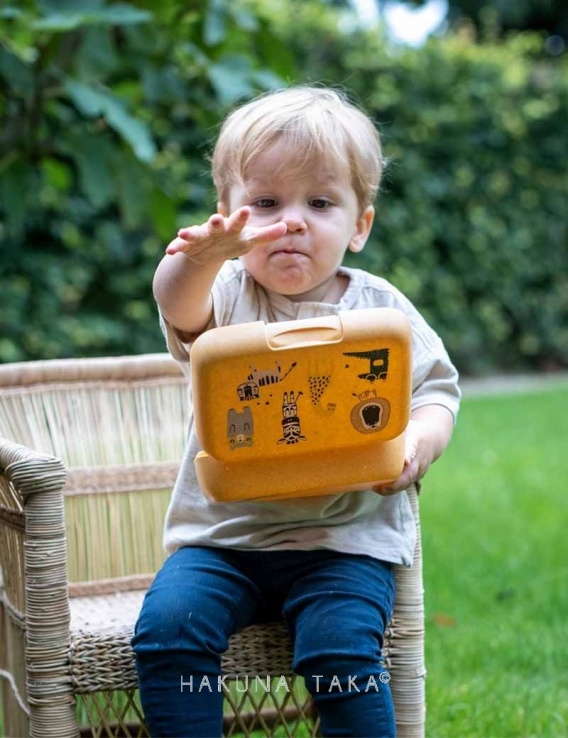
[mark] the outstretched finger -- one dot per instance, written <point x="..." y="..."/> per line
<point x="176" y="246"/>
<point x="238" y="220"/>
<point x="216" y="222"/>
<point x="267" y="234"/>
<point x="191" y="233"/>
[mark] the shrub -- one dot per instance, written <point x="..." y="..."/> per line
<point x="471" y="222"/>
<point x="109" y="112"/>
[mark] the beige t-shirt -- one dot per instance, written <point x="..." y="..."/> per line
<point x="354" y="522"/>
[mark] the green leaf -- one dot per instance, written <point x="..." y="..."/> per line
<point x="123" y="14"/>
<point x="267" y="79"/>
<point x="132" y="190"/>
<point x="164" y="214"/>
<point x="14" y="189"/>
<point x="97" y="55"/>
<point x="214" y="24"/>
<point x="114" y="15"/>
<point x="231" y="79"/>
<point x="93" y="155"/>
<point x="17" y="74"/>
<point x="10" y="12"/>
<point x="56" y="174"/>
<point x="99" y="102"/>
<point x="243" y="19"/>
<point x="64" y="6"/>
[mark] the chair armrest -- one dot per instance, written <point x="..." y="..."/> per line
<point x="31" y="486"/>
<point x="30" y="471"/>
<point x="39" y="480"/>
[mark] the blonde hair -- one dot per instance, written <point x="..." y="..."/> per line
<point x="316" y="124"/>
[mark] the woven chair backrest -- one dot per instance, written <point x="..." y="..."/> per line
<point x="97" y="412"/>
<point x="119" y="425"/>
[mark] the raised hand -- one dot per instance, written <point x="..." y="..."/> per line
<point x="222" y="238"/>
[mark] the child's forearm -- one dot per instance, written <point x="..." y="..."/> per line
<point x="182" y="290"/>
<point x="185" y="276"/>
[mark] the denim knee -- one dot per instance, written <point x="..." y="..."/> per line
<point x="195" y="603"/>
<point x="341" y="661"/>
<point x="341" y="613"/>
<point x="172" y="626"/>
<point x="338" y="654"/>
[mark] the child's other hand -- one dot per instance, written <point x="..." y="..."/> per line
<point x="221" y="238"/>
<point x="416" y="461"/>
<point x="427" y="435"/>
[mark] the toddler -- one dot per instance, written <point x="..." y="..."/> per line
<point x="296" y="172"/>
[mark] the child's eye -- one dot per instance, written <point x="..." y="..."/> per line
<point x="265" y="202"/>
<point x="320" y="203"/>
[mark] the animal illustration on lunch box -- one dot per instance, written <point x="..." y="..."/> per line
<point x="250" y="389"/>
<point x="371" y="413"/>
<point x="240" y="428"/>
<point x="291" y="428"/>
<point x="378" y="363"/>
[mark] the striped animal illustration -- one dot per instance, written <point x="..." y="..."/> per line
<point x="291" y="429"/>
<point x="250" y="390"/>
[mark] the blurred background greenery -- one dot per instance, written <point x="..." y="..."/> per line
<point x="109" y="109"/>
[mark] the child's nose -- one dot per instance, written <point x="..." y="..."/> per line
<point x="295" y="221"/>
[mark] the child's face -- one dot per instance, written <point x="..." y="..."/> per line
<point x="323" y="218"/>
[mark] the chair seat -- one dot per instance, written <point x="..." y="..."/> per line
<point x="101" y="656"/>
<point x="101" y="629"/>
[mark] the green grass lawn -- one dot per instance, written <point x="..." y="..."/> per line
<point x="495" y="529"/>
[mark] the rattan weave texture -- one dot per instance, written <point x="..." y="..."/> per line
<point x="101" y="657"/>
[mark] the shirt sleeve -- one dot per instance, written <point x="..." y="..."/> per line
<point x="434" y="377"/>
<point x="435" y="381"/>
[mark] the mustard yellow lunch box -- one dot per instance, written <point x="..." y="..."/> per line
<point x="302" y="408"/>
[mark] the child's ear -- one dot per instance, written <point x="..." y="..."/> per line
<point x="362" y="230"/>
<point x="222" y="209"/>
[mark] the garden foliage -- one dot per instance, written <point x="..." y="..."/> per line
<point x="109" y="111"/>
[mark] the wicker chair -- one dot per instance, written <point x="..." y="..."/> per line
<point x="89" y="451"/>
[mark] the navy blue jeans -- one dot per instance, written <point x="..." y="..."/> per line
<point x="336" y="607"/>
